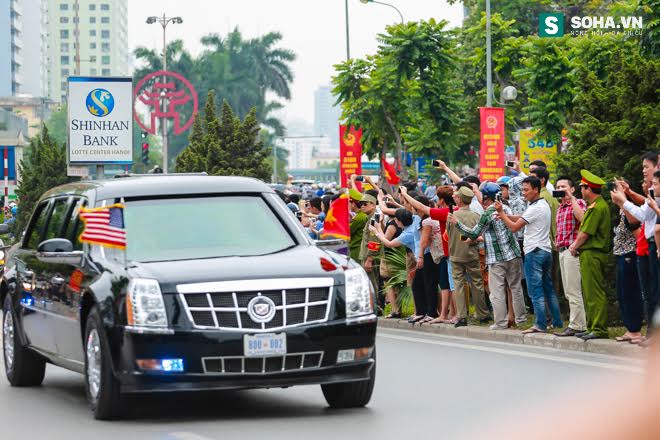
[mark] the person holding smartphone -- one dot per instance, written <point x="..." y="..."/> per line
<point x="569" y="215"/>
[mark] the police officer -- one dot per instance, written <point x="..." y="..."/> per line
<point x="593" y="246"/>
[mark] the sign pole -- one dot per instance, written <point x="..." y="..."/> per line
<point x="6" y="165"/>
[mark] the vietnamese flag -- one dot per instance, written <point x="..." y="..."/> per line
<point x="336" y="221"/>
<point x="390" y="172"/>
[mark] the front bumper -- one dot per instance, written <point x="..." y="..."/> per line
<point x="194" y="345"/>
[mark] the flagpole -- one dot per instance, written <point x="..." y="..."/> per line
<point x="123" y="220"/>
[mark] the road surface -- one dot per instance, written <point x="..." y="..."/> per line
<point x="427" y="385"/>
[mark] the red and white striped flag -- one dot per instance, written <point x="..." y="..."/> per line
<point x="104" y="226"/>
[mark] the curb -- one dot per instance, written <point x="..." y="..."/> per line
<point x="598" y="346"/>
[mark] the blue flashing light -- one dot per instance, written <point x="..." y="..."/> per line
<point x="172" y="365"/>
<point x="27" y="300"/>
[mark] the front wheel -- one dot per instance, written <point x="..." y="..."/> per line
<point x="351" y="394"/>
<point x="100" y="383"/>
<point x="23" y="367"/>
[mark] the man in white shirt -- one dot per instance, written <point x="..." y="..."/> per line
<point x="538" y="253"/>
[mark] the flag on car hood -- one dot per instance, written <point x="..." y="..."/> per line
<point x="104" y="226"/>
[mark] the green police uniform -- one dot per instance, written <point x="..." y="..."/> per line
<point x="357" y="232"/>
<point x="594" y="257"/>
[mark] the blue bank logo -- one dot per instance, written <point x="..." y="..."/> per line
<point x="100" y="102"/>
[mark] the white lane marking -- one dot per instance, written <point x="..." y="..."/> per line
<point x="188" y="436"/>
<point x="638" y="360"/>
<point x="582" y="362"/>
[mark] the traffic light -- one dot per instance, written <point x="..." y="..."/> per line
<point x="145" y="148"/>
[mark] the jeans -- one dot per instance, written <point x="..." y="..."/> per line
<point x="628" y="292"/>
<point x="538" y="272"/>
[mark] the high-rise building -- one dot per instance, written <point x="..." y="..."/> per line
<point x="87" y="38"/>
<point x="35" y="48"/>
<point x="11" y="47"/>
<point x="326" y="115"/>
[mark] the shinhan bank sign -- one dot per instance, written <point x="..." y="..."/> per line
<point x="552" y="25"/>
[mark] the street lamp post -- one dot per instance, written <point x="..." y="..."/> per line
<point x="489" y="69"/>
<point x="348" y="38"/>
<point x="385" y="4"/>
<point x="164" y="21"/>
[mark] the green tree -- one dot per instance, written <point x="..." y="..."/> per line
<point x="617" y="108"/>
<point x="43" y="168"/>
<point x="225" y="146"/>
<point x="57" y="124"/>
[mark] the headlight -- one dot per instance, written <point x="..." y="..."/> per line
<point x="359" y="300"/>
<point x="144" y="304"/>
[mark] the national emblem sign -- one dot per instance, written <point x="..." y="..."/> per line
<point x="167" y="95"/>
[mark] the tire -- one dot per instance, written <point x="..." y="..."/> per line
<point x="101" y="385"/>
<point x="23" y="367"/>
<point x="350" y="394"/>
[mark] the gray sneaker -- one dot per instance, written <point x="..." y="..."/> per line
<point x="496" y="327"/>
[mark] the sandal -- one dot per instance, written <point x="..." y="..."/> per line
<point x="533" y="330"/>
<point x="439" y="321"/>
<point x="413" y="319"/>
<point x="624" y="338"/>
<point x="425" y="319"/>
<point x="394" y="315"/>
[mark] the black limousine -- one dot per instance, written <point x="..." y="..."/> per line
<point x="219" y="288"/>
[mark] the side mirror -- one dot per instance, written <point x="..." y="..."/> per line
<point x="58" y="251"/>
<point x="55" y="245"/>
<point x="4" y="228"/>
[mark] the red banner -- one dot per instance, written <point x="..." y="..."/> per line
<point x="350" y="153"/>
<point x="491" y="150"/>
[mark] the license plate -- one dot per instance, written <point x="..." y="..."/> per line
<point x="265" y="344"/>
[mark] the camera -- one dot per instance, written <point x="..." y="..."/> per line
<point x="359" y="179"/>
<point x="498" y="197"/>
<point x="299" y="214"/>
<point x="559" y="194"/>
<point x="372" y="221"/>
<point x="377" y="217"/>
<point x="611" y="186"/>
<point x="510" y="163"/>
<point x="651" y="193"/>
<point x="436" y="163"/>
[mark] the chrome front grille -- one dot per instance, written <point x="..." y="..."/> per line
<point x="224" y="305"/>
<point x="262" y="365"/>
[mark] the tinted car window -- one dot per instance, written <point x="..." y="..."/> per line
<point x="33" y="234"/>
<point x="179" y="229"/>
<point x="75" y="225"/>
<point x="57" y="218"/>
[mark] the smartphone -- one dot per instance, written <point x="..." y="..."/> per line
<point x="299" y="214"/>
<point x="559" y="194"/>
<point x="651" y="193"/>
<point x="377" y="217"/>
<point x="372" y="221"/>
<point x="359" y="179"/>
<point x="436" y="163"/>
<point x="611" y="186"/>
<point x="498" y="197"/>
<point x="510" y="163"/>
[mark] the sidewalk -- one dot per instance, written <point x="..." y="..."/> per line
<point x="600" y="346"/>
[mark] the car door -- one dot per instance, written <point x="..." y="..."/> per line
<point x="31" y="286"/>
<point x="67" y="281"/>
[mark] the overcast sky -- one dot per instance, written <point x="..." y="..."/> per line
<point x="313" y="29"/>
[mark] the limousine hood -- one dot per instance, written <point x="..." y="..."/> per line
<point x="297" y="262"/>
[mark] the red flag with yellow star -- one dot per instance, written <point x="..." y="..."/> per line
<point x="336" y="223"/>
<point x="390" y="172"/>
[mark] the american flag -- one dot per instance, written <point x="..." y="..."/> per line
<point x="104" y="226"/>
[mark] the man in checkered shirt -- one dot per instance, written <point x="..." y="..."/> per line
<point x="503" y="258"/>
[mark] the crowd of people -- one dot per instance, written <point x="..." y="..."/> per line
<point x="509" y="247"/>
